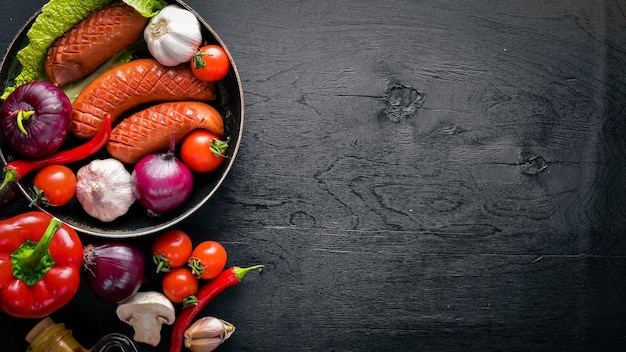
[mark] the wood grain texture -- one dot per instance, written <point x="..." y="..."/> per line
<point x="417" y="176"/>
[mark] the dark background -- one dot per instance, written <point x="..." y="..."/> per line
<point x="416" y="176"/>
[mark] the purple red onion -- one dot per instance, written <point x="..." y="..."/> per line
<point x="35" y="118"/>
<point x="161" y="182"/>
<point x="114" y="271"/>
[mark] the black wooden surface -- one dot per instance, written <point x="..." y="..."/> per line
<point x="416" y="176"/>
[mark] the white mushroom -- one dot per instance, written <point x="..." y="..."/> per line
<point x="146" y="312"/>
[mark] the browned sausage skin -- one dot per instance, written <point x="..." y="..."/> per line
<point x="131" y="84"/>
<point x="150" y="130"/>
<point x="93" y="41"/>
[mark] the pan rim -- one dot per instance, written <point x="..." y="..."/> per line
<point x="190" y="209"/>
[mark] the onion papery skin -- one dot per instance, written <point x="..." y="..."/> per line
<point x="161" y="182"/>
<point x="47" y="128"/>
<point x="114" y="271"/>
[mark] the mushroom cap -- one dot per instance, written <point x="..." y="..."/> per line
<point x="146" y="312"/>
<point x="149" y="301"/>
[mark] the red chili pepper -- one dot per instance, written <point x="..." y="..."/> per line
<point x="16" y="169"/>
<point x="40" y="264"/>
<point x="229" y="277"/>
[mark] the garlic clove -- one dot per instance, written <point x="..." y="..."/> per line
<point x="203" y="345"/>
<point x="207" y="333"/>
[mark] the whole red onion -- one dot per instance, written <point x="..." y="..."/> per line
<point x="161" y="182"/>
<point x="114" y="271"/>
<point x="40" y="109"/>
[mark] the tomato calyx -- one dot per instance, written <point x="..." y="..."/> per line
<point x="32" y="260"/>
<point x="203" y="151"/>
<point x="39" y="198"/>
<point x="54" y="185"/>
<point x="190" y="301"/>
<point x="197" y="267"/>
<point x="170" y="250"/>
<point x="210" y="63"/>
<point x="162" y="262"/>
<point x="208" y="260"/>
<point x="218" y="147"/>
<point x="198" y="63"/>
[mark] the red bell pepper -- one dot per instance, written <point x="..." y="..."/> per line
<point x="40" y="263"/>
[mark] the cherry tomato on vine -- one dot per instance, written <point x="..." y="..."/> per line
<point x="58" y="184"/>
<point x="210" y="63"/>
<point x="179" y="284"/>
<point x="171" y="249"/>
<point x="208" y="259"/>
<point x="202" y="150"/>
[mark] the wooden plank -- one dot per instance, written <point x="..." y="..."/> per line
<point x="417" y="176"/>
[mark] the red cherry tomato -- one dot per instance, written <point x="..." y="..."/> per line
<point x="208" y="259"/>
<point x="58" y="184"/>
<point x="179" y="284"/>
<point x="171" y="249"/>
<point x="202" y="150"/>
<point x="210" y="63"/>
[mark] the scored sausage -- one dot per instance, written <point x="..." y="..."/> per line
<point x="131" y="84"/>
<point x="150" y="130"/>
<point x="92" y="41"/>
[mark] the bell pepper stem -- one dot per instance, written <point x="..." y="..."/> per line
<point x="32" y="260"/>
<point x="23" y="116"/>
<point x="41" y="249"/>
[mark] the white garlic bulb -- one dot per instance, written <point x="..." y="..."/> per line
<point x="173" y="35"/>
<point x="104" y="189"/>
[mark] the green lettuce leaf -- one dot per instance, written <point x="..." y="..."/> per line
<point x="56" y="18"/>
<point x="147" y="8"/>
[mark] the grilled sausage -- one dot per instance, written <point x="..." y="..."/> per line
<point x="150" y="130"/>
<point x="131" y="84"/>
<point x="93" y="41"/>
